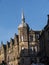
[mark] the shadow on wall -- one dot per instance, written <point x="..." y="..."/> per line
<point x="3" y="63"/>
<point x="32" y="59"/>
<point x="23" y="55"/>
<point x="26" y="58"/>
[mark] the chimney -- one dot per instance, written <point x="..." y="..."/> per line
<point x="48" y="19"/>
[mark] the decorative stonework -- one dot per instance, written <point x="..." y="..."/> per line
<point x="19" y="50"/>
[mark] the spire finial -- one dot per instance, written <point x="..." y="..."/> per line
<point x="22" y="14"/>
<point x="23" y="18"/>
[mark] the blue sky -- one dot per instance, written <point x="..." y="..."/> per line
<point x="35" y="12"/>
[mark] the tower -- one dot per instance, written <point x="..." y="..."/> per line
<point x="23" y="32"/>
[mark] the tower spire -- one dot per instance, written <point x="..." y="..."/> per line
<point x="23" y="18"/>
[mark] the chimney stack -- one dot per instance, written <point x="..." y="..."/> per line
<point x="48" y="19"/>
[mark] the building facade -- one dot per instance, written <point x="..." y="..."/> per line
<point x="2" y="52"/>
<point x="25" y="47"/>
<point x="44" y="41"/>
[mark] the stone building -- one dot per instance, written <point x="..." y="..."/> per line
<point x="12" y="51"/>
<point x="24" y="48"/>
<point x="44" y="40"/>
<point x="2" y="52"/>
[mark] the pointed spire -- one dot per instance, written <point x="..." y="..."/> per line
<point x="23" y="18"/>
<point x="1" y="42"/>
<point x="22" y="15"/>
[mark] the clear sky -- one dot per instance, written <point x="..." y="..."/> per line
<point x="35" y="12"/>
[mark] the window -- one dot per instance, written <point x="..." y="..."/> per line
<point x="22" y="47"/>
<point x="37" y="36"/>
<point x="32" y="48"/>
<point x="35" y="48"/>
<point x="22" y="38"/>
<point x="31" y="38"/>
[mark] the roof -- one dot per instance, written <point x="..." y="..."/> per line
<point x="22" y="25"/>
